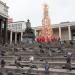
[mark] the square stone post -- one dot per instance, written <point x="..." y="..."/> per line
<point x="15" y="37"/>
<point x="60" y="32"/>
<point x="10" y="37"/>
<point x="5" y="31"/>
<point x="21" y="36"/>
<point x="0" y="30"/>
<point x="35" y="32"/>
<point x="69" y="31"/>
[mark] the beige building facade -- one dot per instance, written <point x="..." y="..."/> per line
<point x="15" y="31"/>
<point x="64" y="30"/>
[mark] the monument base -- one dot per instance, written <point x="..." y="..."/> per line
<point x="27" y="40"/>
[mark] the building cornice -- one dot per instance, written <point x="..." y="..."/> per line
<point x="4" y="4"/>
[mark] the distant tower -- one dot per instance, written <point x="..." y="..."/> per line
<point x="46" y="23"/>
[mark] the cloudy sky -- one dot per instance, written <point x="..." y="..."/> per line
<point x="59" y="10"/>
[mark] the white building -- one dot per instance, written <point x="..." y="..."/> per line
<point x="15" y="31"/>
<point x="64" y="30"/>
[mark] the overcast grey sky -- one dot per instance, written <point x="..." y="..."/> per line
<point x="59" y="10"/>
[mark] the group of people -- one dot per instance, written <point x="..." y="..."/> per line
<point x="3" y="63"/>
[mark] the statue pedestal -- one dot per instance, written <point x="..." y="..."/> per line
<point x="27" y="40"/>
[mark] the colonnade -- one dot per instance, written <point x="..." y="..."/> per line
<point x="60" y="34"/>
<point x="69" y="32"/>
<point x="11" y="36"/>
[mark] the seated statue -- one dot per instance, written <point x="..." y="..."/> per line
<point x="3" y="63"/>
<point x="29" y="35"/>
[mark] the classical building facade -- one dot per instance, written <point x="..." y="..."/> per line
<point x="3" y="22"/>
<point x="15" y="31"/>
<point x="64" y="30"/>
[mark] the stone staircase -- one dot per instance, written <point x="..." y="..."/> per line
<point x="56" y="60"/>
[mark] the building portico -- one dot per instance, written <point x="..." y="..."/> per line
<point x="3" y="22"/>
<point x="16" y="30"/>
<point x="65" y="30"/>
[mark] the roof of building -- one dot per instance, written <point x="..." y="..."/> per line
<point x="17" y="22"/>
<point x="63" y="24"/>
<point x="4" y="4"/>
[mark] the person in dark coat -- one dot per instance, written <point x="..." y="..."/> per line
<point x="1" y="73"/>
<point x="68" y="61"/>
<point x="46" y="67"/>
<point x="71" y="43"/>
<point x="3" y="63"/>
<point x="19" y="58"/>
<point x="18" y="64"/>
<point x="68" y="58"/>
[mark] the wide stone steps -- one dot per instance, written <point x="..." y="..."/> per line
<point x="37" y="71"/>
<point x="55" y="58"/>
<point x="41" y="64"/>
<point x="37" y="58"/>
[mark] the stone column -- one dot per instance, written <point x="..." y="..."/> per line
<point x="10" y="37"/>
<point x="0" y="30"/>
<point x="5" y="31"/>
<point x="21" y="36"/>
<point x="15" y="37"/>
<point x="35" y="33"/>
<point x="69" y="31"/>
<point x="60" y="32"/>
